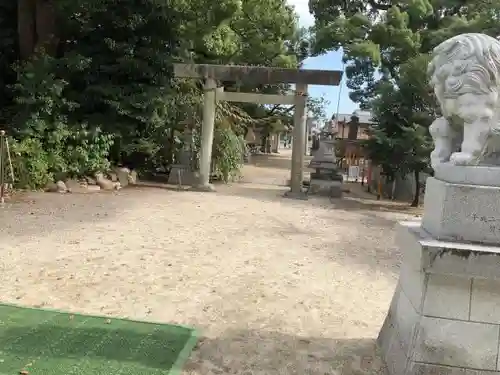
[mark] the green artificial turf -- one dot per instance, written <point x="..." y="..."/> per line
<point x="43" y="342"/>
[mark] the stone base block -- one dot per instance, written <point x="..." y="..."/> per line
<point x="445" y="314"/>
<point x="458" y="212"/>
<point x="180" y="175"/>
<point x="298" y="196"/>
<point x="208" y="188"/>
<point x="330" y="188"/>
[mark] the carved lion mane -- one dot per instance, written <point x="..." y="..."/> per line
<point x="466" y="64"/>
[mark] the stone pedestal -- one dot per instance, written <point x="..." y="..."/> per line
<point x="445" y="314"/>
<point x="181" y="173"/>
<point x="326" y="180"/>
<point x="329" y="188"/>
<point x="467" y="211"/>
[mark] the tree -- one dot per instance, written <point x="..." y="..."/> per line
<point x="8" y="54"/>
<point x="107" y="90"/>
<point x="400" y="142"/>
<point x="386" y="46"/>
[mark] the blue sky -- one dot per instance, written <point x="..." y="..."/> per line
<point x="329" y="61"/>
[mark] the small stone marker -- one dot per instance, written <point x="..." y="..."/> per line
<point x="325" y="180"/>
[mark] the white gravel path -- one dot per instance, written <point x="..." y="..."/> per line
<point x="276" y="286"/>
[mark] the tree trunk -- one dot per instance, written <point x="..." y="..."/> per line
<point x="416" y="197"/>
<point x="46" y="26"/>
<point x="26" y="27"/>
<point x="36" y="26"/>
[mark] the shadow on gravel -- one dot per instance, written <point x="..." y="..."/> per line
<point x="273" y="193"/>
<point x="272" y="353"/>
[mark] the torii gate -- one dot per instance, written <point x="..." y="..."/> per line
<point x="255" y="75"/>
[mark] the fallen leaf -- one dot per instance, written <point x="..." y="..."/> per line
<point x="23" y="372"/>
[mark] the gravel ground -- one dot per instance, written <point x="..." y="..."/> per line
<point x="276" y="286"/>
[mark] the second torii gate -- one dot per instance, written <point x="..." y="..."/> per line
<point x="255" y="75"/>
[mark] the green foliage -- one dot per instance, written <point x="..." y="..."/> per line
<point x="227" y="154"/>
<point x="31" y="163"/>
<point x="402" y="113"/>
<point x="49" y="143"/>
<point x="8" y="52"/>
<point x="108" y="94"/>
<point x="386" y="48"/>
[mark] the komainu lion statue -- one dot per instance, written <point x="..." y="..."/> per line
<point x="465" y="74"/>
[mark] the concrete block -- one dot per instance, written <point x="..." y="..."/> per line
<point x="328" y="188"/>
<point x="406" y="319"/>
<point x="447" y="257"/>
<point x="427" y="369"/>
<point x="408" y="240"/>
<point x="442" y="314"/>
<point x="474" y="219"/>
<point x="457" y="343"/>
<point x="448" y="297"/>
<point x="389" y="327"/>
<point x="181" y="175"/>
<point x="395" y="358"/>
<point x="482" y="175"/>
<point x="413" y="284"/>
<point x="485" y="301"/>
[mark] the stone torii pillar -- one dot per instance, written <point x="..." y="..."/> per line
<point x="207" y="135"/>
<point x="299" y="141"/>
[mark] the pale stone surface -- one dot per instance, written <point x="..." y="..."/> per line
<point x="207" y="132"/>
<point x="469" y="100"/>
<point x="462" y="212"/>
<point x="258" y="74"/>
<point x="57" y="187"/>
<point x="448" y="297"/>
<point x="485" y="301"/>
<point x="133" y="179"/>
<point x="299" y="141"/>
<point x="440" y="273"/>
<point x="468" y="175"/>
<point x="411" y="277"/>
<point x="330" y="188"/>
<point x="413" y="284"/>
<point x="395" y="358"/>
<point x="448" y="261"/>
<point x="123" y="176"/>
<point x="389" y="328"/>
<point x="106" y="184"/>
<point x="408" y="238"/>
<point x="457" y="343"/>
<point x="428" y="369"/>
<point x="406" y="319"/>
<point x="446" y="257"/>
